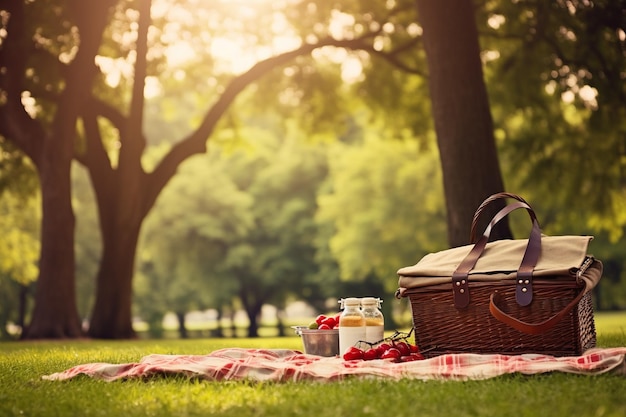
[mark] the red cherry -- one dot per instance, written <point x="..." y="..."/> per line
<point x="370" y="354"/>
<point x="352" y="353"/>
<point x="320" y="318"/>
<point x="329" y="321"/>
<point x="414" y="348"/>
<point x="382" y="348"/>
<point x="323" y="326"/>
<point x="392" y="353"/>
<point x="403" y="347"/>
<point x="413" y="357"/>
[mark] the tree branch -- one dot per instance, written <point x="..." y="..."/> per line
<point x="195" y="143"/>
<point x="392" y="57"/>
<point x="132" y="139"/>
<point x="96" y="160"/>
<point x="95" y="157"/>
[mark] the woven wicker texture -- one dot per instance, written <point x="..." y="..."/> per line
<point x="440" y="328"/>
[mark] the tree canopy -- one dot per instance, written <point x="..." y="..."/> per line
<point x="515" y="95"/>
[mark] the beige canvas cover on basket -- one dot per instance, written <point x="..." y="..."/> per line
<point x="560" y="256"/>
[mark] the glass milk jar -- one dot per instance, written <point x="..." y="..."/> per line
<point x="374" y="319"/>
<point x="351" y="324"/>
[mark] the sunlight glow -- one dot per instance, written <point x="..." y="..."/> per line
<point x="341" y="25"/>
<point x="589" y="96"/>
<point x="179" y="53"/>
<point x="231" y="51"/>
<point x="152" y="87"/>
<point x="114" y="69"/>
<point x="489" y="55"/>
<point x="496" y="20"/>
<point x="29" y="103"/>
<point x="351" y="69"/>
<point x="568" y="96"/>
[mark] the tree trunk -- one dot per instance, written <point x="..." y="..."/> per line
<point x="55" y="314"/>
<point x="252" y="301"/>
<point x="233" y="325"/>
<point x="112" y="314"/>
<point x="182" y="328"/>
<point x="253" y="312"/>
<point x="280" y="323"/>
<point x="22" y="306"/>
<point x="461" y="113"/>
<point x="219" y="330"/>
<point x="122" y="205"/>
<point x="253" y="328"/>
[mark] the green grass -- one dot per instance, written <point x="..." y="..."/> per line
<point x="613" y="322"/>
<point x="24" y="393"/>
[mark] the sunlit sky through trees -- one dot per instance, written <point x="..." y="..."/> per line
<point x="233" y="51"/>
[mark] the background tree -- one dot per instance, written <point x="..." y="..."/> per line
<point x="126" y="192"/>
<point x="559" y="99"/>
<point x="462" y="115"/>
<point x="384" y="202"/>
<point x="275" y="258"/>
<point x="185" y="239"/>
<point x="50" y="143"/>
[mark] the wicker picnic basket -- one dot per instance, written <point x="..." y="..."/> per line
<point x="507" y="296"/>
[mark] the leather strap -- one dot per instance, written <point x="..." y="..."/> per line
<point x="460" y="284"/>
<point x="535" y="328"/>
<point x="524" y="283"/>
<point x="480" y="210"/>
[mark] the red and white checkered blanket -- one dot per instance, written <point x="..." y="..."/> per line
<point x="290" y="365"/>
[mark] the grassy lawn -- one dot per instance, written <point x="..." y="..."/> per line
<point x="23" y="393"/>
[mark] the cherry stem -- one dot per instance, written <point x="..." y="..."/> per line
<point x="396" y="336"/>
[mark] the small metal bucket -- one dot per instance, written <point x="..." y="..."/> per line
<point x="319" y="342"/>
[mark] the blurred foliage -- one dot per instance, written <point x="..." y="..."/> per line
<point x="384" y="201"/>
<point x="19" y="228"/>
<point x="556" y="75"/>
<point x="17" y="173"/>
<point x="19" y="254"/>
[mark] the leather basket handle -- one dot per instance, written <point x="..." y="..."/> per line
<point x="538" y="328"/>
<point x="523" y="292"/>
<point x="480" y="210"/>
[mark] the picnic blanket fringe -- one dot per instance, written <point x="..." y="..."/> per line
<point x="290" y="365"/>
